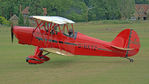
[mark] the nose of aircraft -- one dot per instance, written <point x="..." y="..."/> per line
<point x="23" y="34"/>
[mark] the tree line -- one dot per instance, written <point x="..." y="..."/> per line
<point x="77" y="10"/>
<point x="142" y="1"/>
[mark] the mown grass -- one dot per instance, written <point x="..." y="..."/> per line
<point x="76" y="69"/>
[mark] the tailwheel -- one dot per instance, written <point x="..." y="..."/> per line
<point x="131" y="60"/>
<point x="33" y="60"/>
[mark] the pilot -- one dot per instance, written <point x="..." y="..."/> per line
<point x="70" y="32"/>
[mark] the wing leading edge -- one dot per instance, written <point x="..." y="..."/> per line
<point x="54" y="19"/>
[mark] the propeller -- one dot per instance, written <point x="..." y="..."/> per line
<point x="12" y="33"/>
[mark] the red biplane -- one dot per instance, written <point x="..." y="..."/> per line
<point x="54" y="34"/>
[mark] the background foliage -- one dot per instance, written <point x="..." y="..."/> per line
<point x="3" y="21"/>
<point x="78" y="10"/>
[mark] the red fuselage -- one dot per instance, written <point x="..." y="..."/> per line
<point x="79" y="44"/>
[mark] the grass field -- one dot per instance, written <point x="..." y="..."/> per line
<point x="76" y="69"/>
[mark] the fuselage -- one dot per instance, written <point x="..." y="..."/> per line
<point x="79" y="44"/>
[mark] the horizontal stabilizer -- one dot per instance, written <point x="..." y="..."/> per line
<point x="122" y="48"/>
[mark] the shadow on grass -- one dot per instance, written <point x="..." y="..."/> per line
<point x="69" y="62"/>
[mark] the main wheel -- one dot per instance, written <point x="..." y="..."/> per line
<point x="131" y="60"/>
<point x="32" y="60"/>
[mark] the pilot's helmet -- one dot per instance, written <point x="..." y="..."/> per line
<point x="70" y="31"/>
<point x="55" y="28"/>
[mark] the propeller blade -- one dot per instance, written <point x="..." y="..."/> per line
<point x="12" y="33"/>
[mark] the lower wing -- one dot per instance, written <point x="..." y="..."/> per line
<point x="57" y="51"/>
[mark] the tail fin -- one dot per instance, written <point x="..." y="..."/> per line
<point x="127" y="40"/>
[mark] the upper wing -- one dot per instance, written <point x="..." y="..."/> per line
<point x="57" y="51"/>
<point x="54" y="19"/>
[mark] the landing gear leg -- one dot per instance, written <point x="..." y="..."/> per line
<point x="131" y="60"/>
<point x="37" y="58"/>
<point x="44" y="57"/>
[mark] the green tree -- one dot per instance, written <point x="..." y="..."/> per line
<point x="36" y="7"/>
<point x="4" y="21"/>
<point x="21" y="20"/>
<point x="27" y="22"/>
<point x="127" y="8"/>
<point x="78" y="10"/>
